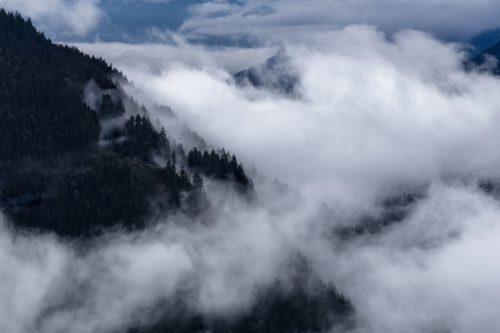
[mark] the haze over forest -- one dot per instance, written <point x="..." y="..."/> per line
<point x="253" y="166"/>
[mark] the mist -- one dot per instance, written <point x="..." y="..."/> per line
<point x="455" y="19"/>
<point x="74" y="17"/>
<point x="375" y="117"/>
<point x="374" y="113"/>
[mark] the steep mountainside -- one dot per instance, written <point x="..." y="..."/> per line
<point x="488" y="54"/>
<point x="40" y="93"/>
<point x="485" y="40"/>
<point x="74" y="169"/>
<point x="276" y="74"/>
<point x="78" y="170"/>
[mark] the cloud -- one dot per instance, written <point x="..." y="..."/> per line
<point x="122" y="280"/>
<point x="157" y="1"/>
<point x="154" y="57"/>
<point x="377" y="116"/>
<point x="431" y="273"/>
<point x="375" y="113"/>
<point x="76" y="17"/>
<point x="445" y="18"/>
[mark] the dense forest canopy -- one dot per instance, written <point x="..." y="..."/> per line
<point x="61" y="170"/>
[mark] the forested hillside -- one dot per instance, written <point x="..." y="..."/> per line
<point x="41" y="83"/>
<point x="79" y="169"/>
<point x="493" y="53"/>
<point x="61" y="170"/>
<point x="278" y="309"/>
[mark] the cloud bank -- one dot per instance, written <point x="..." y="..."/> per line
<point x="446" y="18"/>
<point x="123" y="280"/>
<point x="75" y="17"/>
<point x="261" y="19"/>
<point x="375" y="113"/>
<point x="376" y="117"/>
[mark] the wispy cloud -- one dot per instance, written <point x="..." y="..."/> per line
<point x="446" y="18"/>
<point x="75" y="17"/>
<point x="370" y="106"/>
<point x="376" y="116"/>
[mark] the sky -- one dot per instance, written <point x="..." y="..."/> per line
<point x="227" y="21"/>
<point x="383" y="107"/>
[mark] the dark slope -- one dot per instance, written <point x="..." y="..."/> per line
<point x="278" y="309"/>
<point x="63" y="168"/>
<point x="485" y="40"/>
<point x="41" y="107"/>
<point x="488" y="54"/>
<point x="276" y="74"/>
<point x="392" y="211"/>
<point x="79" y="170"/>
<point x="301" y="304"/>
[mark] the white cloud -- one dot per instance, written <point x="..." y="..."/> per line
<point x="75" y="17"/>
<point x="154" y="57"/>
<point x="120" y="280"/>
<point x="432" y="273"/>
<point x="374" y="112"/>
<point x="376" y="116"/>
<point x="447" y="18"/>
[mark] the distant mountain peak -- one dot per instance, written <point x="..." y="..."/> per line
<point x="489" y="59"/>
<point x="485" y="40"/>
<point x="276" y="74"/>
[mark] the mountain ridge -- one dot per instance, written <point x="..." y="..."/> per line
<point x="485" y="59"/>
<point x="58" y="150"/>
<point x="53" y="181"/>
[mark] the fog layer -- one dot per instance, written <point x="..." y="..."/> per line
<point x="374" y="118"/>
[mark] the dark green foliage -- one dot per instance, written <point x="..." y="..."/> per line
<point x="196" y="200"/>
<point x="303" y="307"/>
<point x="109" y="108"/>
<point x="41" y="108"/>
<point x="139" y="139"/>
<point x="296" y="310"/>
<point x="55" y="174"/>
<point x="392" y="211"/>
<point x="219" y="166"/>
<point x="302" y="303"/>
<point x="85" y="193"/>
